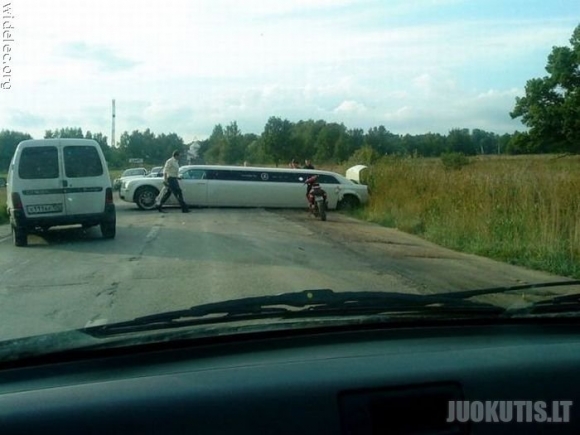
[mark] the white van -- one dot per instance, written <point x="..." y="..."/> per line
<point x="55" y="182"/>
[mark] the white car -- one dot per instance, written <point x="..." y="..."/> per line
<point x="157" y="171"/>
<point x="129" y="173"/>
<point x="234" y="186"/>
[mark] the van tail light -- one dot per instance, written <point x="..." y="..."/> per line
<point x="16" y="201"/>
<point x="109" y="196"/>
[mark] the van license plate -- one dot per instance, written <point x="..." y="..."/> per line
<point x="44" y="208"/>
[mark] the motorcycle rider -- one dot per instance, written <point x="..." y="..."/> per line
<point x="312" y="184"/>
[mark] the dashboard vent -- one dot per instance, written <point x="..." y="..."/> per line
<point x="412" y="410"/>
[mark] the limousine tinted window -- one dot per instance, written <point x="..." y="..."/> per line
<point x="258" y="176"/>
<point x="270" y="176"/>
<point x="38" y="163"/>
<point x="214" y="174"/>
<point x="327" y="179"/>
<point x="193" y="174"/>
<point x="284" y="177"/>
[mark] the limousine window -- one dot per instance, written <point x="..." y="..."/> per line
<point x="82" y="161"/>
<point x="39" y="163"/>
<point x="235" y="175"/>
<point x="248" y="176"/>
<point x="222" y="175"/>
<point x="283" y="177"/>
<point x="327" y="179"/>
<point x="193" y="174"/>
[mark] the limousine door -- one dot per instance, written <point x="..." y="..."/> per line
<point x="194" y="187"/>
<point x="235" y="188"/>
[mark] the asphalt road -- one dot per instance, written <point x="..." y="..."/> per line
<point x="70" y="278"/>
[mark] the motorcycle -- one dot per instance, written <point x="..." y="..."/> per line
<point x="317" y="200"/>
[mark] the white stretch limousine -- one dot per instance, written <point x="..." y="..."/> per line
<point x="234" y="186"/>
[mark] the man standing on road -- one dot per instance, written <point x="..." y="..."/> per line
<point x="170" y="179"/>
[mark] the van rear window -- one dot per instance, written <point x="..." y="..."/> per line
<point x="82" y="161"/>
<point x="38" y="163"/>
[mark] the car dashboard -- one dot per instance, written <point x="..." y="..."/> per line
<point x="323" y="381"/>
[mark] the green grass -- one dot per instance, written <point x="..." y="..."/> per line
<point x="522" y="210"/>
<point x="3" y="213"/>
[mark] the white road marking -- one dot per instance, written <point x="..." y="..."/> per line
<point x="153" y="233"/>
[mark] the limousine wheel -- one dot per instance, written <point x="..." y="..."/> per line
<point x="19" y="236"/>
<point x="145" y="197"/>
<point x="349" y="202"/>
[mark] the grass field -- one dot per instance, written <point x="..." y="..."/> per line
<point x="522" y="210"/>
<point x="3" y="215"/>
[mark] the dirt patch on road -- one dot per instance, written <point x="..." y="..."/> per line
<point x="431" y="267"/>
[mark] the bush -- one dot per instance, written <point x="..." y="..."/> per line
<point x="3" y="210"/>
<point x="454" y="161"/>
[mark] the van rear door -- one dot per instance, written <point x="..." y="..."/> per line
<point x="85" y="178"/>
<point x="39" y="182"/>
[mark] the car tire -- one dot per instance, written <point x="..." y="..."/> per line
<point x="145" y="197"/>
<point x="109" y="229"/>
<point x="19" y="236"/>
<point x="348" y="203"/>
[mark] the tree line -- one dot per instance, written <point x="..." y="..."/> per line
<point x="279" y="143"/>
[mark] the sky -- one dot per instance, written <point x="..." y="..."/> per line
<point x="413" y="66"/>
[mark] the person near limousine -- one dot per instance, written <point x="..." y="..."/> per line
<point x="308" y="164"/>
<point x="171" y="181"/>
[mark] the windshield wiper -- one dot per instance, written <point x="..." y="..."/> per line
<point x="506" y="289"/>
<point x="327" y="303"/>
<point x="303" y="304"/>
<point x="557" y="305"/>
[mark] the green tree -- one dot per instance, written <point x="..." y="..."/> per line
<point x="484" y="141"/>
<point x="327" y="141"/>
<point x="551" y="105"/>
<point x="232" y="147"/>
<point x="210" y="150"/>
<point x="305" y="137"/>
<point x="459" y="140"/>
<point x="520" y="143"/>
<point x="364" y="156"/>
<point x="9" y="140"/>
<point x="138" y="145"/>
<point x="277" y="140"/>
<point x="67" y="132"/>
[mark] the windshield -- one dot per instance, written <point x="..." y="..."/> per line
<point x="132" y="172"/>
<point x="444" y="135"/>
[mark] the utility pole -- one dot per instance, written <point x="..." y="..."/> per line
<point x="113" y="127"/>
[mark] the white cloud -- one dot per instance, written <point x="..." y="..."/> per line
<point x="184" y="66"/>
<point x="351" y="107"/>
